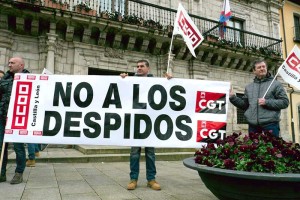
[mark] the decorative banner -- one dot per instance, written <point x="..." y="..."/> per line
<point x="110" y="110"/>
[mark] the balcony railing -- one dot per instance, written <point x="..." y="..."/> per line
<point x="158" y="17"/>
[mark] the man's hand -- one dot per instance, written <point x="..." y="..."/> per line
<point x="123" y="75"/>
<point x="168" y="76"/>
<point x="261" y="101"/>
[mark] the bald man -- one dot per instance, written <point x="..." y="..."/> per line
<point x="16" y="65"/>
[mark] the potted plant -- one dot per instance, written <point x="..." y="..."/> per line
<point x="116" y="16"/>
<point x="57" y="4"/>
<point x="104" y="14"/>
<point x="211" y="38"/>
<point x="254" y="166"/>
<point x="83" y="8"/>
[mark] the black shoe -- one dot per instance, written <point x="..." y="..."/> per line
<point x="18" y="178"/>
<point x="2" y="178"/>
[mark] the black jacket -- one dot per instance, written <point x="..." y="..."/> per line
<point x="6" y="84"/>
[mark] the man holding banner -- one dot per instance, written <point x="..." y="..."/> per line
<point x="16" y="65"/>
<point x="262" y="101"/>
<point x="143" y="69"/>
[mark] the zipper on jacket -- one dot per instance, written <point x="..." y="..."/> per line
<point x="257" y="112"/>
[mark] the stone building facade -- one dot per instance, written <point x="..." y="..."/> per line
<point x="66" y="42"/>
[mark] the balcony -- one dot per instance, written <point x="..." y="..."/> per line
<point x="138" y="26"/>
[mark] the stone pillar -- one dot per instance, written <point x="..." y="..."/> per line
<point x="86" y="35"/>
<point x="145" y="44"/>
<point x="3" y="22"/>
<point x="69" y="33"/>
<point x="20" y="24"/>
<point x="131" y="43"/>
<point x="51" y="42"/>
<point x="102" y="38"/>
<point x="35" y="27"/>
<point x="5" y="47"/>
<point x="117" y="42"/>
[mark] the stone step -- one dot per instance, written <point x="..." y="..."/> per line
<point x="88" y="153"/>
<point x="96" y="149"/>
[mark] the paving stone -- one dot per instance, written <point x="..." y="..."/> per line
<point x="41" y="193"/>
<point x="101" y="181"/>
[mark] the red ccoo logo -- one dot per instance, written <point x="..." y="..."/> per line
<point x="21" y="105"/>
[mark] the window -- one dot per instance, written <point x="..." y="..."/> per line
<point x="235" y="35"/>
<point x="297" y="28"/>
<point x="240" y="113"/>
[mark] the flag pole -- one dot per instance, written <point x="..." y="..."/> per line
<point x="170" y="51"/>
<point x="2" y="153"/>
<point x="272" y="81"/>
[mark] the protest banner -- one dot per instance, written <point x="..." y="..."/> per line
<point x="110" y="110"/>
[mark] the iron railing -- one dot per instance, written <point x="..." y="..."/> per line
<point x="159" y="17"/>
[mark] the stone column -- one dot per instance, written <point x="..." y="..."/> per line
<point x="87" y="35"/>
<point x="20" y="24"/>
<point x="51" y="43"/>
<point x="3" y="22"/>
<point x="35" y="27"/>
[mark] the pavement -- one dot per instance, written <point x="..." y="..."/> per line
<point x="55" y="180"/>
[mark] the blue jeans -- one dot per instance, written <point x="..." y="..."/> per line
<point x="32" y="149"/>
<point x="135" y="155"/>
<point x="19" y="150"/>
<point x="274" y="127"/>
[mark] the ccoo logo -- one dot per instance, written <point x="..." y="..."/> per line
<point x="21" y="105"/>
<point x="293" y="62"/>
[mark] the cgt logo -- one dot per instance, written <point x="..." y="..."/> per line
<point x="209" y="131"/>
<point x="21" y="105"/>
<point x="209" y="102"/>
<point x="293" y="62"/>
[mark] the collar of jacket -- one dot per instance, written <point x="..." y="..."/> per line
<point x="10" y="74"/>
<point x="266" y="78"/>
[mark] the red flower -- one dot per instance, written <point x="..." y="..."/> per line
<point x="229" y="163"/>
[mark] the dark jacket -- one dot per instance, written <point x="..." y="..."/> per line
<point x="6" y="84"/>
<point x="276" y="99"/>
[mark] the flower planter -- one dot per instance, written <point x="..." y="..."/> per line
<point x="231" y="184"/>
<point x="210" y="38"/>
<point x="35" y="2"/>
<point x="56" y="4"/>
<point x="85" y="12"/>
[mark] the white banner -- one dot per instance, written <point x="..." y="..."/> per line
<point x="109" y="110"/>
<point x="290" y="69"/>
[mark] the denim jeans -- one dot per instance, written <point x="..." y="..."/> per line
<point x="274" y="127"/>
<point x="32" y="149"/>
<point x="135" y="155"/>
<point x="18" y="148"/>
